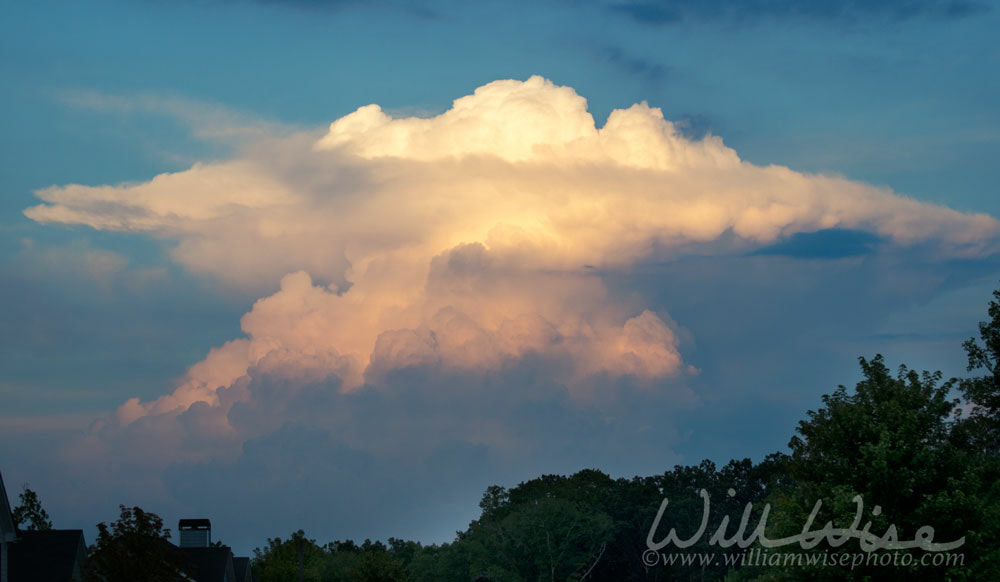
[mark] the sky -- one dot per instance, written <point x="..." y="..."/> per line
<point x="341" y="265"/>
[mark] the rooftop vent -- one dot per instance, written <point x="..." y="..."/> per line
<point x="195" y="533"/>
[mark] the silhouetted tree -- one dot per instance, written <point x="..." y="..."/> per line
<point x="338" y="561"/>
<point x="29" y="515"/>
<point x="983" y="392"/>
<point x="279" y="561"/>
<point x="377" y="566"/>
<point x="134" y="547"/>
<point x="889" y="440"/>
<point x="550" y="528"/>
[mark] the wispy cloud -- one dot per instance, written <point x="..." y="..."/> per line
<point x="205" y="121"/>
<point x="419" y="10"/>
<point x="618" y="58"/>
<point x="106" y="271"/>
<point x="665" y="12"/>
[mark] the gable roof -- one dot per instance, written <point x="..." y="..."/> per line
<point x="6" y="520"/>
<point x="213" y="564"/>
<point x="53" y="555"/>
<point x="242" y="568"/>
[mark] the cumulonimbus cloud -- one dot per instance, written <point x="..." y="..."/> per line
<point x="474" y="238"/>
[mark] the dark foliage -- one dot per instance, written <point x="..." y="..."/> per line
<point x="134" y="547"/>
<point x="29" y="515"/>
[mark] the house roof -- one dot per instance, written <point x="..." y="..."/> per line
<point x="208" y="564"/>
<point x="6" y="520"/>
<point x="242" y="567"/>
<point x="46" y="556"/>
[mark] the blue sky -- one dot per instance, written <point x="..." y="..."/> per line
<point x="754" y="323"/>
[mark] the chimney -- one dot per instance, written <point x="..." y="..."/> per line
<point x="195" y="533"/>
